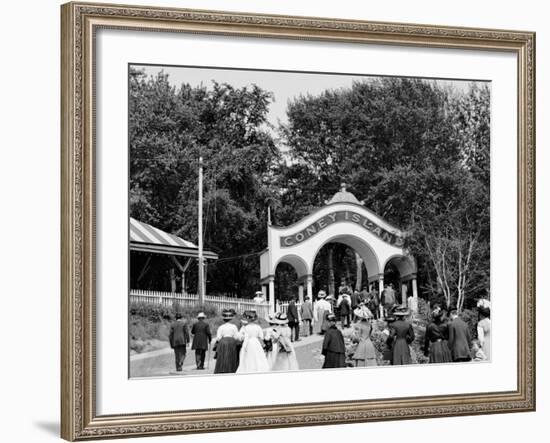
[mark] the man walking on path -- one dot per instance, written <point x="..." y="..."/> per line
<point x="459" y="338"/>
<point x="306" y="312"/>
<point x="201" y="339"/>
<point x="179" y="339"/>
<point x="293" y="320"/>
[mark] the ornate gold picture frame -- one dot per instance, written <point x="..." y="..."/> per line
<point x="80" y="22"/>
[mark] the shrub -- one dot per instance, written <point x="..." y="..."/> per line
<point x="149" y="323"/>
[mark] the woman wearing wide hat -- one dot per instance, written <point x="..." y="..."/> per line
<point x="365" y="354"/>
<point x="252" y="356"/>
<point x="334" y="348"/>
<point x="401" y="336"/>
<point x="283" y="354"/>
<point x="435" y="341"/>
<point x="227" y="354"/>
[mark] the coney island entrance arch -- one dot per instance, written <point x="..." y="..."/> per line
<point x="345" y="220"/>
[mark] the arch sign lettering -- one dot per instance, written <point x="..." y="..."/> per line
<point x="341" y="216"/>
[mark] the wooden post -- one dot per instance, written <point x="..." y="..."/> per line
<point x="172" y="280"/>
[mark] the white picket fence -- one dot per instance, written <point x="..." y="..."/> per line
<point x="169" y="298"/>
<point x="283" y="306"/>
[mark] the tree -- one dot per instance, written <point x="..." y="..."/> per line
<point x="417" y="153"/>
<point x="169" y="129"/>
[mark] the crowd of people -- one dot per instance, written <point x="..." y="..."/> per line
<point x="448" y="337"/>
<point x="241" y="345"/>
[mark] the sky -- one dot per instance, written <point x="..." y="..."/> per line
<point x="284" y="85"/>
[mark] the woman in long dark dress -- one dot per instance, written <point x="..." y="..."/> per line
<point x="435" y="340"/>
<point x="334" y="348"/>
<point x="227" y="354"/>
<point x="401" y="336"/>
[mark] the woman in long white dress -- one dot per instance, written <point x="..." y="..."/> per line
<point x="252" y="357"/>
<point x="484" y="330"/>
<point x="283" y="355"/>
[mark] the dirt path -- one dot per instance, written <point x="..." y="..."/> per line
<point x="161" y="363"/>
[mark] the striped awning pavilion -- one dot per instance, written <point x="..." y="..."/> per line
<point x="147" y="238"/>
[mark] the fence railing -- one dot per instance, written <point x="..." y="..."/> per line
<point x="283" y="306"/>
<point x="169" y="298"/>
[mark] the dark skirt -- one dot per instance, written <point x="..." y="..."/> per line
<point x="334" y="360"/>
<point x="439" y="352"/>
<point x="227" y="356"/>
<point x="401" y="353"/>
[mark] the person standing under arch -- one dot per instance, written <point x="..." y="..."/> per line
<point x="293" y="319"/>
<point x="321" y="309"/>
<point x="306" y="312"/>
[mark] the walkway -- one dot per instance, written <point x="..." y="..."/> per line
<point x="160" y="363"/>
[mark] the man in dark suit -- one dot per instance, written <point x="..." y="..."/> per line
<point x="293" y="320"/>
<point x="334" y="348"/>
<point x="201" y="339"/>
<point x="179" y="338"/>
<point x="459" y="338"/>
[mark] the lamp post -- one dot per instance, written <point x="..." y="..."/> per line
<point x="201" y="288"/>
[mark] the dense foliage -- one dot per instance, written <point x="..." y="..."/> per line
<point x="416" y="152"/>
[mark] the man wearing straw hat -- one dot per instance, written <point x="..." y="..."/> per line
<point x="320" y="309"/>
<point x="201" y="339"/>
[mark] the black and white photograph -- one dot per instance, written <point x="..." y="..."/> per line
<point x="285" y="221"/>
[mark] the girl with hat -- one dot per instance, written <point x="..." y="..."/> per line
<point x="401" y="336"/>
<point x="365" y="354"/>
<point x="252" y="356"/>
<point x="227" y="336"/>
<point x="270" y="335"/>
<point x="283" y="355"/>
<point x="435" y="340"/>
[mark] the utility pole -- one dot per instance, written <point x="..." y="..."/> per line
<point x="201" y="288"/>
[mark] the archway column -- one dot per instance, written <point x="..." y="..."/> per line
<point x="309" y="282"/>
<point x="414" y="302"/>
<point x="380" y="290"/>
<point x="271" y="294"/>
<point x="301" y="293"/>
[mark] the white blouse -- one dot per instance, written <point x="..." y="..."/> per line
<point x="227" y="330"/>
